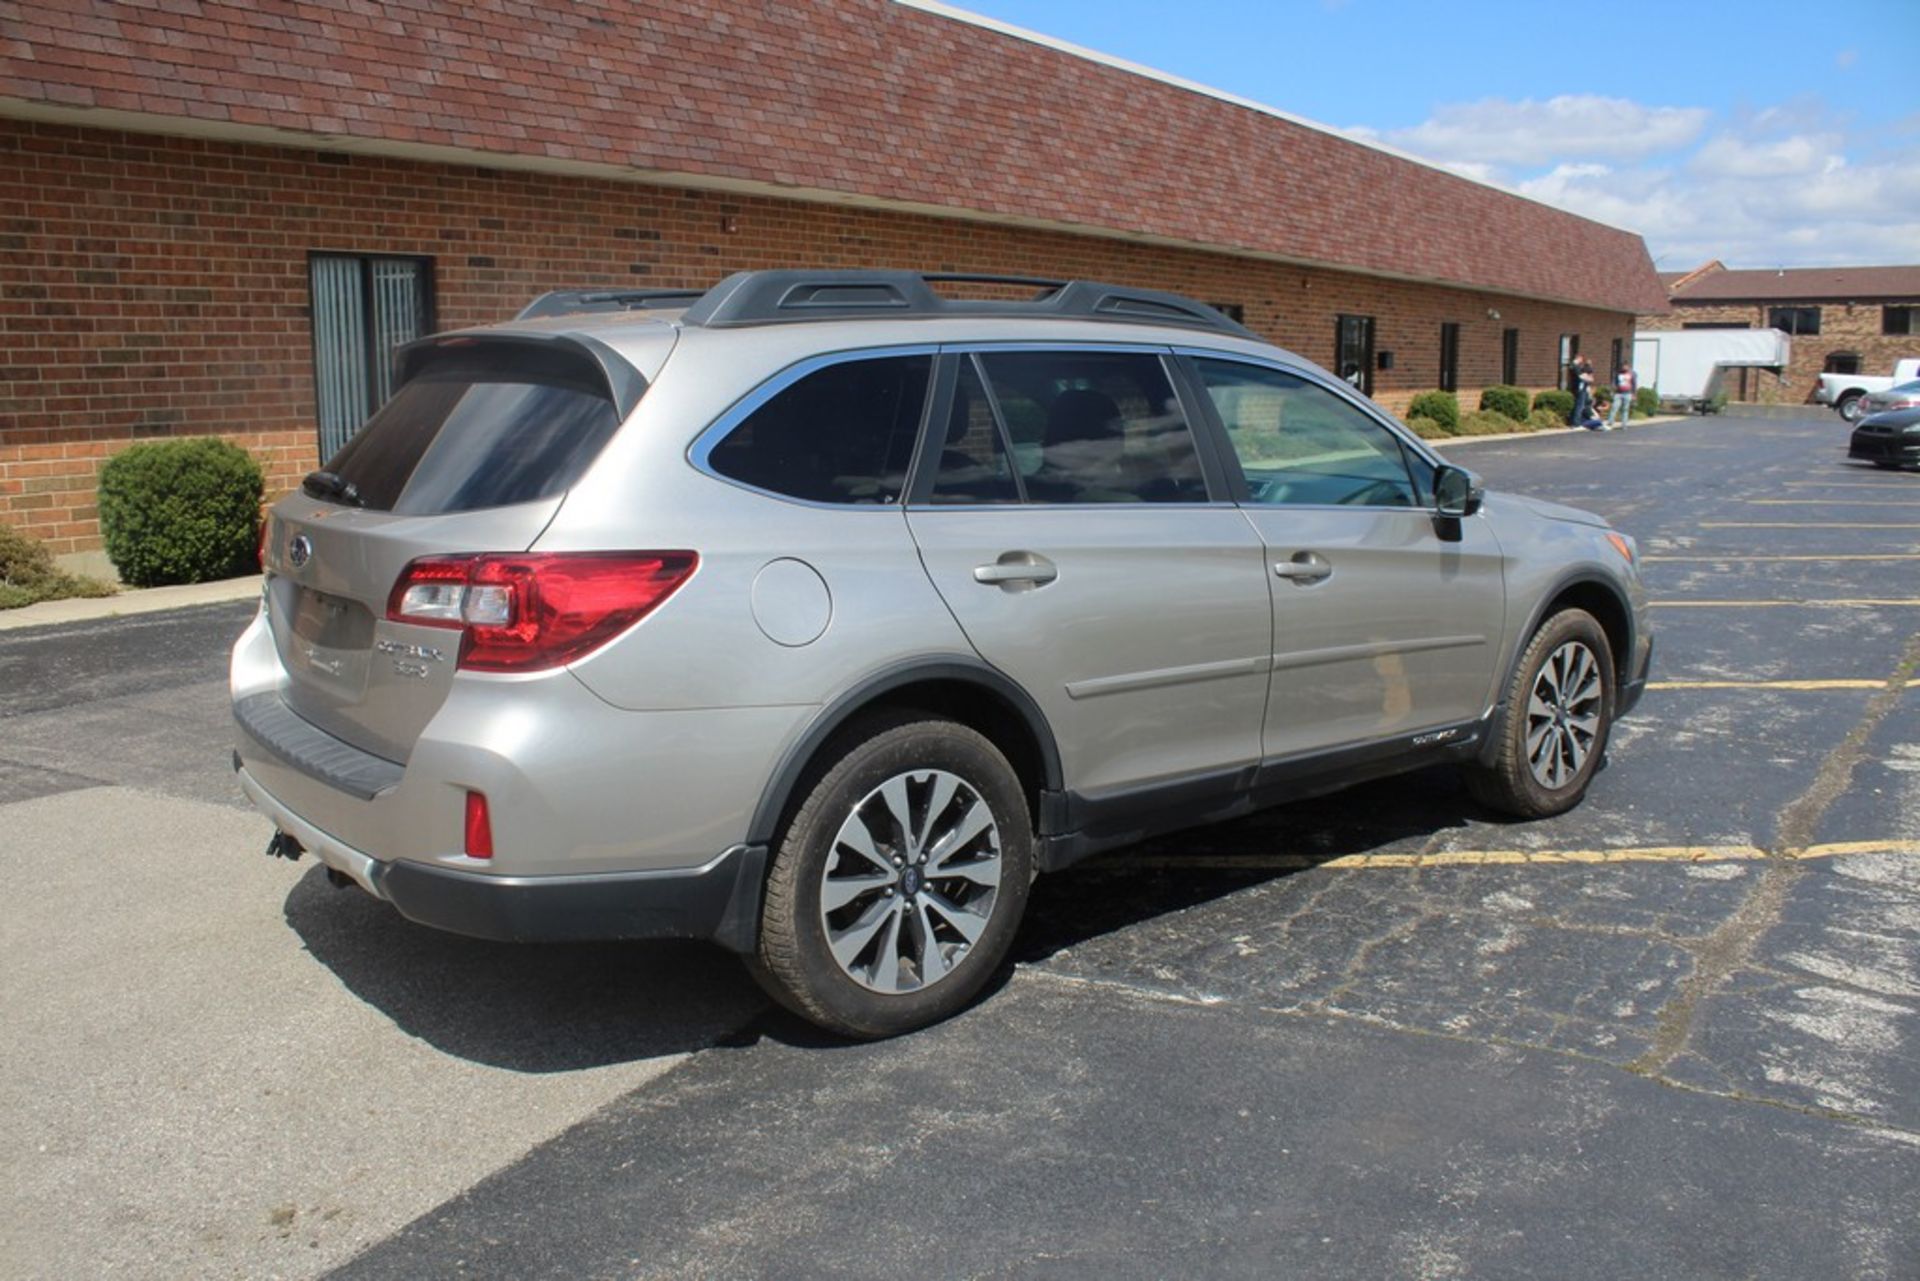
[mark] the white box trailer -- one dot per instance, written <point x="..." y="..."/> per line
<point x="1688" y="367"/>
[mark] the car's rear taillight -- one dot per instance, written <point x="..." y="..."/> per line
<point x="536" y="610"/>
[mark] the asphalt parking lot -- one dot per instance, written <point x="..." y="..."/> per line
<point x="1673" y="1033"/>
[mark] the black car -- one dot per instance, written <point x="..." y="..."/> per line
<point x="1891" y="439"/>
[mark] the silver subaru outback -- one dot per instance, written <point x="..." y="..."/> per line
<point x="818" y="613"/>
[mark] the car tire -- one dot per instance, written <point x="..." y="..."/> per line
<point x="1551" y="734"/>
<point x="1851" y="406"/>
<point x="869" y="927"/>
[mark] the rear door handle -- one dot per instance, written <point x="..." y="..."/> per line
<point x="1017" y="571"/>
<point x="1305" y="567"/>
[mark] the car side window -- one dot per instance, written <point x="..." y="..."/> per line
<point x="973" y="464"/>
<point x="1095" y="427"/>
<point x="1299" y="443"/>
<point x="843" y="433"/>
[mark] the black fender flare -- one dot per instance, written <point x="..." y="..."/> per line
<point x="832" y="716"/>
<point x="1575" y="578"/>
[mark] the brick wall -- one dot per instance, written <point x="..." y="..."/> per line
<point x="1844" y="327"/>
<point x="154" y="286"/>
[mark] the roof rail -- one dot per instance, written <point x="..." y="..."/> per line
<point x="776" y="297"/>
<point x="568" y="302"/>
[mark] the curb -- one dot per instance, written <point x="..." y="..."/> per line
<point x="1448" y="442"/>
<point x="147" y="600"/>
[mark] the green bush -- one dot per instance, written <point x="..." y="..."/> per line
<point x="28" y="574"/>
<point x="1646" y="403"/>
<point x="1503" y="398"/>
<point x="1560" y="402"/>
<point x="1544" y="420"/>
<point x="1427" y="428"/>
<point x="1485" y="422"/>
<point x="1441" y="406"/>
<point x="181" y="511"/>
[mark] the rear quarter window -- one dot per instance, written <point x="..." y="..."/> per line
<point x="839" y="434"/>
<point x="481" y="428"/>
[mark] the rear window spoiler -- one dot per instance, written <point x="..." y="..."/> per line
<point x="624" y="385"/>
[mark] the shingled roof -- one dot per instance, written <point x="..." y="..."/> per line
<point x="868" y="101"/>
<point x="1802" y="284"/>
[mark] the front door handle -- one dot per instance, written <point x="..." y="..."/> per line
<point x="1305" y="567"/>
<point x="1017" y="571"/>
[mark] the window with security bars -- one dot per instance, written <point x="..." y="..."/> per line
<point x="364" y="305"/>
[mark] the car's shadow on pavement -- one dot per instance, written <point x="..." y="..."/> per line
<point x="1172" y="873"/>
<point x="527" y="1007"/>
<point x="566" y="1007"/>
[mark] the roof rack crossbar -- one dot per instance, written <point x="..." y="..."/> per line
<point x="776" y="297"/>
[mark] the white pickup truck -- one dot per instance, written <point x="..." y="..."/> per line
<point x="1846" y="392"/>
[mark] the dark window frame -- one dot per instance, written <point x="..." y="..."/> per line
<point x="1510" y="357"/>
<point x="1909" y="312"/>
<point x="1449" y="355"/>
<point x="370" y="356"/>
<point x="1798" y="320"/>
<point x="1568" y="349"/>
<point x="1619" y="359"/>
<point x="1369" y="333"/>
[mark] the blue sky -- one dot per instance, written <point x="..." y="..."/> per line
<point x="1760" y="133"/>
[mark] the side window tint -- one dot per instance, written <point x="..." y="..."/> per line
<point x="1095" y="427"/>
<point x="842" y="434"/>
<point x="1299" y="443"/>
<point x="974" y="467"/>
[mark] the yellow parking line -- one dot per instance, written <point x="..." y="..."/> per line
<point x="1794" y="524"/>
<point x="1840" y="849"/>
<point x="1493" y="858"/>
<point x="1745" y="559"/>
<point x="1825" y="502"/>
<point x="1798" y="685"/>
<point x="1846" y="603"/>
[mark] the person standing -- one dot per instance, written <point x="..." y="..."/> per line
<point x="1624" y="385"/>
<point x="1581" y="372"/>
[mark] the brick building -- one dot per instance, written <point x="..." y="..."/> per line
<point x="217" y="217"/>
<point x="1844" y="320"/>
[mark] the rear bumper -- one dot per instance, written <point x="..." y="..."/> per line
<point x="718" y="901"/>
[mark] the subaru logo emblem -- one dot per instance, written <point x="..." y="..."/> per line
<point x="299" y="551"/>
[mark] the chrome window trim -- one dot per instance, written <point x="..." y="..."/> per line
<point x="700" y="452"/>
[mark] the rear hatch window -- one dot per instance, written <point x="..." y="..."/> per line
<point x="487" y="425"/>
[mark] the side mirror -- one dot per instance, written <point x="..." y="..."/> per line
<point x="1456" y="492"/>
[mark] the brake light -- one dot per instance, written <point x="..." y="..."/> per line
<point x="537" y="610"/>
<point x="479" y="826"/>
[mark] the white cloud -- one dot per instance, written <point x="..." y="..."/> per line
<point x="1730" y="157"/>
<point x="1789" y="184"/>
<point x="1527" y="133"/>
<point x="1846" y="58"/>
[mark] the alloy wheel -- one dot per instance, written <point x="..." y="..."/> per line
<point x="1563" y="715"/>
<point x="911" y="881"/>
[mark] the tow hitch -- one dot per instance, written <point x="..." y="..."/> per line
<point x="284" y="846"/>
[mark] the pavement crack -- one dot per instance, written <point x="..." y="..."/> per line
<point x="1729" y="949"/>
